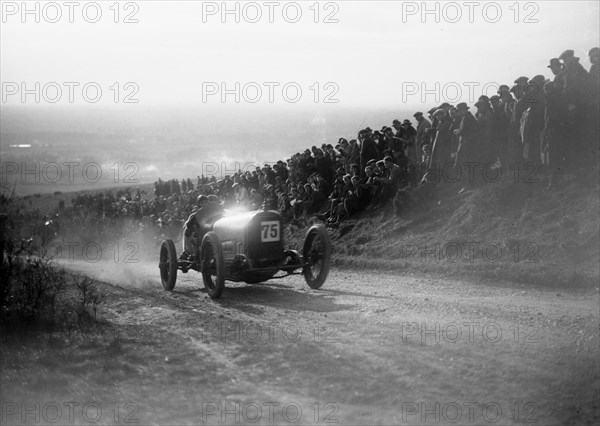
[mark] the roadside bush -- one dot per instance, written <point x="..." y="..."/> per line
<point x="30" y="289"/>
<point x="29" y="286"/>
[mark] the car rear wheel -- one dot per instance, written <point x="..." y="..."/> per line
<point x="317" y="256"/>
<point x="168" y="264"/>
<point x="213" y="266"/>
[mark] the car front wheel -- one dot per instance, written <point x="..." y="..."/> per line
<point x="213" y="266"/>
<point x="317" y="256"/>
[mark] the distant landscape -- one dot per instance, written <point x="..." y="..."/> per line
<point x="135" y="146"/>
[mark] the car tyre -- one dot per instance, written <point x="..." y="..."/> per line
<point x="168" y="264"/>
<point x="213" y="265"/>
<point x="317" y="256"/>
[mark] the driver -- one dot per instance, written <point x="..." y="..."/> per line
<point x="208" y="207"/>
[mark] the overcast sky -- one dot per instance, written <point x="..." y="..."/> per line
<point x="376" y="54"/>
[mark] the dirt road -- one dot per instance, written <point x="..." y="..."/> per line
<point x="368" y="348"/>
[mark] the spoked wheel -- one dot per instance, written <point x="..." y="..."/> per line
<point x="213" y="266"/>
<point x="317" y="256"/>
<point x="168" y="264"/>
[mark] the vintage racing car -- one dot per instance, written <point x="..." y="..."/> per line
<point x="248" y="247"/>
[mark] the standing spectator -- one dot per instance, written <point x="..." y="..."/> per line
<point x="554" y="140"/>
<point x="456" y="119"/>
<point x="557" y="70"/>
<point x="515" y="141"/>
<point x="397" y="125"/>
<point x="379" y="143"/>
<point x="468" y="146"/>
<point x="422" y="136"/>
<point x="353" y="155"/>
<point x="534" y="123"/>
<point x="500" y="132"/>
<point x="393" y="143"/>
<point x="409" y="135"/>
<point x="368" y="149"/>
<point x="507" y="102"/>
<point x="576" y="96"/>
<point x="441" y="150"/>
<point x="485" y="122"/>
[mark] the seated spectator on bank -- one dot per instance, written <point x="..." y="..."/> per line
<point x="358" y="198"/>
<point x="314" y="200"/>
<point x="390" y="178"/>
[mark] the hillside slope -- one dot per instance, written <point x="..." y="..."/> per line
<point x="507" y="230"/>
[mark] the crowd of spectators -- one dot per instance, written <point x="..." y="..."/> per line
<point x="551" y="125"/>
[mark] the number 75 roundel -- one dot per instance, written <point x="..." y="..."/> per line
<point x="269" y="231"/>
